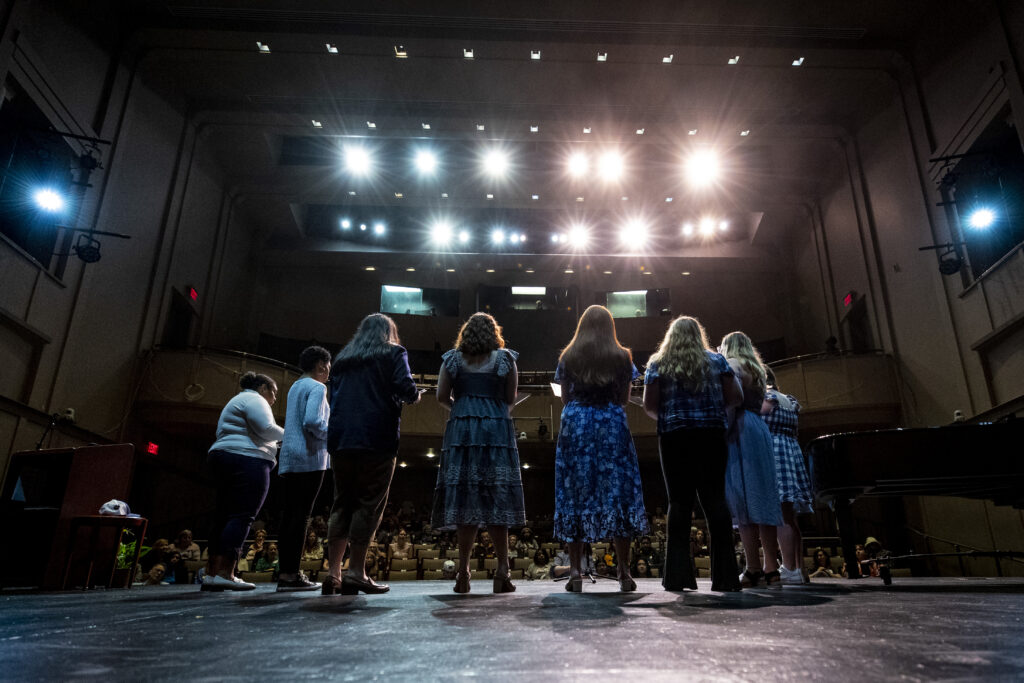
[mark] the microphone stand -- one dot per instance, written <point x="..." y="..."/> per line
<point x="53" y="423"/>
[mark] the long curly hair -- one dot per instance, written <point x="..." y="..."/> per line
<point x="479" y="335"/>
<point x="738" y="346"/>
<point x="376" y="335"/>
<point x="682" y="356"/>
<point x="595" y="357"/>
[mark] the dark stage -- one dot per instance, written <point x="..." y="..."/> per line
<point x="917" y="629"/>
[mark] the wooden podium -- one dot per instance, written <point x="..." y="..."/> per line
<point x="43" y="491"/>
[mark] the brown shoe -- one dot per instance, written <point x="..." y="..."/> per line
<point x="331" y="586"/>
<point x="351" y="585"/>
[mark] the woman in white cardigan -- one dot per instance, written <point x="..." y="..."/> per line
<point x="239" y="463"/>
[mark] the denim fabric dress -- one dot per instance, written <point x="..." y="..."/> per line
<point x="598" y="492"/>
<point x="479" y="482"/>
<point x="751" y="487"/>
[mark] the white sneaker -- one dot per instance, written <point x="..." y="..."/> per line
<point x="791" y="577"/>
<point x="219" y="583"/>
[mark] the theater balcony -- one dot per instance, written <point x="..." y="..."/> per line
<point x="841" y="393"/>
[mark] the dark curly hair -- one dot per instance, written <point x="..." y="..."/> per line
<point x="479" y="335"/>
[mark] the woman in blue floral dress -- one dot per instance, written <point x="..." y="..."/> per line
<point x="479" y="483"/>
<point x="598" y="492"/>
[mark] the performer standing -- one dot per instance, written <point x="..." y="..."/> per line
<point x="598" y="492"/>
<point x="479" y="483"/>
<point x="302" y="462"/>
<point x="370" y="381"/>
<point x="750" y="484"/>
<point x="780" y="412"/>
<point x="688" y="389"/>
<point x="239" y="463"/>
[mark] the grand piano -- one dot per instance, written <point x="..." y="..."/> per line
<point x="983" y="461"/>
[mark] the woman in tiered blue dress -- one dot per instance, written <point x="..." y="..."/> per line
<point x="780" y="412"/>
<point x="598" y="492"/>
<point x="479" y="483"/>
<point x="751" y="488"/>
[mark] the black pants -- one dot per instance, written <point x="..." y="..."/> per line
<point x="300" y="491"/>
<point x="693" y="463"/>
<point x="362" y="479"/>
<point x="241" y="483"/>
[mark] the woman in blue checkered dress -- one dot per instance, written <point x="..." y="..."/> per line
<point x="780" y="412"/>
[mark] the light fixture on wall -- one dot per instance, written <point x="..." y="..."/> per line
<point x="950" y="259"/>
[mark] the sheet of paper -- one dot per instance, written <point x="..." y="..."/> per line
<point x="556" y="389"/>
<point x="520" y="398"/>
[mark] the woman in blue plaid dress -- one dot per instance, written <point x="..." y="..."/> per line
<point x="780" y="412"/>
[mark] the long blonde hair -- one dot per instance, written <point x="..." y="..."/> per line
<point x="738" y="346"/>
<point x="595" y="357"/>
<point x="682" y="353"/>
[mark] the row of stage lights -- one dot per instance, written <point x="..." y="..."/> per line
<point x="701" y="168"/>
<point x="635" y="232"/>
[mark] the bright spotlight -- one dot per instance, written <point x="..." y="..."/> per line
<point x="554" y="238"/>
<point x="723" y="225"/>
<point x="441" y="233"/>
<point x="707" y="227"/>
<point x="345" y="224"/>
<point x="378" y="228"/>
<point x="48" y="200"/>
<point x="426" y="162"/>
<point x="981" y="218"/>
<point x="634" y="233"/>
<point x="687" y="229"/>
<point x="578" y="236"/>
<point x="702" y="168"/>
<point x="357" y="161"/>
<point x="496" y="163"/>
<point x="578" y="164"/>
<point x="610" y="166"/>
<point x="464" y="236"/>
<point x="498" y="236"/>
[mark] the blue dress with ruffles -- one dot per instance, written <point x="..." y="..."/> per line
<point x="479" y="482"/>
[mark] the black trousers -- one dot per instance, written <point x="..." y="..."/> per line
<point x="241" y="483"/>
<point x="362" y="479"/>
<point x="300" y="491"/>
<point x="693" y="463"/>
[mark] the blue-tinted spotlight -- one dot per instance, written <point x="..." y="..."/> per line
<point x="48" y="200"/>
<point x="981" y="218"/>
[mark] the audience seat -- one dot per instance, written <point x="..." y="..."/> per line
<point x="311" y="567"/>
<point x="837" y="563"/>
<point x="402" y="575"/>
<point x="433" y="564"/>
<point x="515" y="574"/>
<point x="258" y="577"/>
<point x="427" y="553"/>
<point x="404" y="565"/>
<point x="702" y="562"/>
<point x="490" y="564"/>
<point x="478" y="575"/>
<point x="656" y="572"/>
<point x="432" y="574"/>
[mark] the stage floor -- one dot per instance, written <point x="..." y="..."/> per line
<point x="834" y="630"/>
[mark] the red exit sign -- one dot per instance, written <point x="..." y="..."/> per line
<point x="848" y="299"/>
<point x="152" y="448"/>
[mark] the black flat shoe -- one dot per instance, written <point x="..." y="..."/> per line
<point x="331" y="586"/>
<point x="461" y="583"/>
<point x="352" y="586"/>
<point x="574" y="585"/>
<point x="750" y="579"/>
<point x="627" y="584"/>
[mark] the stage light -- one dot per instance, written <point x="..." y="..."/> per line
<point x="578" y="236"/>
<point x="464" y="237"/>
<point x="495" y="163"/>
<point x="426" y="162"/>
<point x="514" y="238"/>
<point x="578" y="164"/>
<point x="610" y="166"/>
<point x="634" y="233"/>
<point x="723" y="225"/>
<point x="981" y="219"/>
<point x="702" y="168"/>
<point x="49" y="200"/>
<point x="498" y="236"/>
<point x="378" y="229"/>
<point x="357" y="161"/>
<point x="362" y="226"/>
<point x="707" y="227"/>
<point x="687" y="229"/>
<point x="441" y="233"/>
<point x="345" y="224"/>
<point x="554" y="238"/>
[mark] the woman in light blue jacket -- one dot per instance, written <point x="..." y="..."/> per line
<point x="302" y="462"/>
<point x="239" y="464"/>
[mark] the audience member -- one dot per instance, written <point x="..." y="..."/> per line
<point x="485" y="547"/>
<point x="257" y="547"/>
<point x="648" y="552"/>
<point x="822" y="568"/>
<point x="401" y="549"/>
<point x="642" y="569"/>
<point x="153" y="555"/>
<point x="527" y="544"/>
<point x="269" y="560"/>
<point x="155" y="576"/>
<point x="183" y="544"/>
<point x="513" y="550"/>
<point x="313" y="548"/>
<point x="540" y="568"/>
